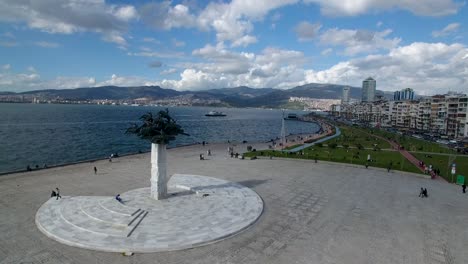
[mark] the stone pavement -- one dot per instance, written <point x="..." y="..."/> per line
<point x="313" y="212"/>
<point x="199" y="210"/>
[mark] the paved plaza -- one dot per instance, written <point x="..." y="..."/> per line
<point x="313" y="212"/>
<point x="198" y="210"/>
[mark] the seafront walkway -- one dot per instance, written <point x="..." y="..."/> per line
<point x="299" y="148"/>
<point x="314" y="212"/>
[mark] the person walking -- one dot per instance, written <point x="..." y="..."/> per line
<point x="95" y="170"/>
<point x="464" y="188"/>
<point x="58" y="193"/>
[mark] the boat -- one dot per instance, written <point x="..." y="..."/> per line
<point x="291" y="116"/>
<point x="215" y="113"/>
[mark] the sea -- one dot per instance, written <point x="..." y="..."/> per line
<point x="57" y="134"/>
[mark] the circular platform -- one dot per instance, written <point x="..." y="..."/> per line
<point x="199" y="210"/>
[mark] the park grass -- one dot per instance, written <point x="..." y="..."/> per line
<point x="381" y="159"/>
<point x="354" y="137"/>
<point x="441" y="162"/>
<point x="414" y="144"/>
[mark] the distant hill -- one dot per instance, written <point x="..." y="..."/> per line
<point x="237" y="97"/>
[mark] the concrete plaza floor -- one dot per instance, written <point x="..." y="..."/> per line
<point x="313" y="212"/>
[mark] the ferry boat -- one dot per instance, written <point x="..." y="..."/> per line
<point x="291" y="116"/>
<point x="215" y="113"/>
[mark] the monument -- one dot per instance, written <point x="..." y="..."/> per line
<point x="178" y="212"/>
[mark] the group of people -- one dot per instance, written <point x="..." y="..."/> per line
<point x="428" y="169"/>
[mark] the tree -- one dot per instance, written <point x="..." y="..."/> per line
<point x="159" y="129"/>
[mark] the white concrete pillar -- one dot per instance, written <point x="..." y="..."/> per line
<point x="158" y="171"/>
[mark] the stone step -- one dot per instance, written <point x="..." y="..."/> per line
<point x="94" y="210"/>
<point x="71" y="213"/>
<point x="114" y="206"/>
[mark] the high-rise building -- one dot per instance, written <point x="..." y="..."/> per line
<point x="368" y="90"/>
<point x="406" y="94"/>
<point x="345" y="98"/>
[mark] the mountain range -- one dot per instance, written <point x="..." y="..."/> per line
<point x="236" y="97"/>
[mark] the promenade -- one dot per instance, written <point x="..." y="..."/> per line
<point x="313" y="212"/>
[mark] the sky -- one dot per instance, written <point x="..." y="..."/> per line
<point x="199" y="45"/>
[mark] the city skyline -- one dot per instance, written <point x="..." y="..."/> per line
<point x="191" y="45"/>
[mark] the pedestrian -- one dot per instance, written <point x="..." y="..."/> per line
<point x="367" y="165"/>
<point x="58" y="193"/>
<point x="425" y="193"/>
<point x="464" y="188"/>
<point x="421" y="192"/>
<point x="117" y="197"/>
<point x="53" y="194"/>
<point x="208" y="152"/>
<point x="95" y="170"/>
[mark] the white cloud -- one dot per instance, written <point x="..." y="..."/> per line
<point x="326" y="52"/>
<point x="168" y="71"/>
<point x="449" y="29"/>
<point x="359" y="7"/>
<point x="46" y="44"/>
<point x="379" y="24"/>
<point x="307" y="31"/>
<point x="70" y="16"/>
<point x="6" y="67"/>
<point x="427" y="67"/>
<point x="232" y="21"/>
<point x="147" y="52"/>
<point x="359" y="41"/>
<point x="116" y="80"/>
<point x="151" y="40"/>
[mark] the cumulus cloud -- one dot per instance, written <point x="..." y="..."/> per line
<point x="306" y="31"/>
<point x="147" y="52"/>
<point x="359" y="41"/>
<point x="359" y="7"/>
<point x="427" y="67"/>
<point x="116" y="80"/>
<point x="70" y="16"/>
<point x="168" y="71"/>
<point x="232" y="21"/>
<point x="449" y="29"/>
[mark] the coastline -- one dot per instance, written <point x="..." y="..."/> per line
<point x="126" y="155"/>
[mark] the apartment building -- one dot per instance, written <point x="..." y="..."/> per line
<point x="438" y="114"/>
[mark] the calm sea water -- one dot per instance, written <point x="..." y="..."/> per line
<point x="51" y="134"/>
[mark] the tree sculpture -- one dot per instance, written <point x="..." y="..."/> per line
<point x="159" y="130"/>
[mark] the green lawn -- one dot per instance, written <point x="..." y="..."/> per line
<point x="414" y="144"/>
<point x="441" y="162"/>
<point x="352" y="136"/>
<point x="353" y="156"/>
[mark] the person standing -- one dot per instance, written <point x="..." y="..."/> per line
<point x="95" y="170"/>
<point x="58" y="193"/>
<point x="464" y="188"/>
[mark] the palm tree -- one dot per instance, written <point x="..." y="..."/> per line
<point x="159" y="129"/>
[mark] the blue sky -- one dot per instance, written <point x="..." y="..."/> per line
<point x="197" y="45"/>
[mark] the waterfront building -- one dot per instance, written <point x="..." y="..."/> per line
<point x="406" y="94"/>
<point x="439" y="114"/>
<point x="368" y="90"/>
<point x="345" y="97"/>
